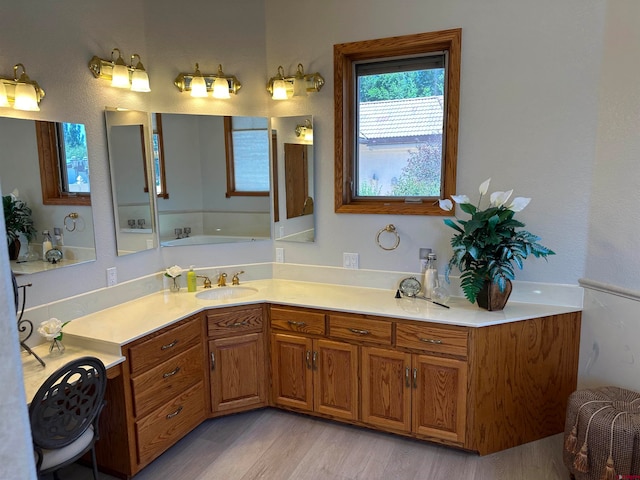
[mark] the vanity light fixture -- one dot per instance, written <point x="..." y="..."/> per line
<point x="283" y="87"/>
<point x="21" y="92"/>
<point x="305" y="131"/>
<point x="119" y="73"/>
<point x="200" y="84"/>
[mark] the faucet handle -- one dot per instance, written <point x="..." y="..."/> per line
<point x="236" y="280"/>
<point x="207" y="281"/>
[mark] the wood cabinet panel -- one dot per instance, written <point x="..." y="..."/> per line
<point x="164" y="346"/>
<point x="439" y="398"/>
<point x="429" y="338"/>
<point x="154" y="387"/>
<point x="335" y="386"/>
<point x="386" y="388"/>
<point x="165" y="426"/>
<point x="291" y="372"/>
<point x="237" y="372"/>
<point x="297" y="320"/>
<point x="233" y="322"/>
<point x="360" y="328"/>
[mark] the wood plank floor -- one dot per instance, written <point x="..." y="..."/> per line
<point x="275" y="445"/>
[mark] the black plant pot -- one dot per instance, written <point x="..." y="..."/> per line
<point x="14" y="249"/>
<point x="491" y="298"/>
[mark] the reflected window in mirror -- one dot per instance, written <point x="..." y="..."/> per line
<point x="158" y="158"/>
<point x="247" y="147"/>
<point x="64" y="163"/>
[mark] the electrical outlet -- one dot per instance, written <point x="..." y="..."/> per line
<point x="279" y="255"/>
<point x="149" y="243"/>
<point x="350" y="260"/>
<point x="281" y="232"/>
<point x="112" y="276"/>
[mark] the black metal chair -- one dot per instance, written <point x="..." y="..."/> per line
<point x="64" y="415"/>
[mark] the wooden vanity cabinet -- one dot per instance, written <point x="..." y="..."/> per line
<point x="237" y="360"/>
<point x="310" y="373"/>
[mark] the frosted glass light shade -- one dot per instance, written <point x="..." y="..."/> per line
<point x="120" y="76"/>
<point x="279" y="90"/>
<point x="221" y="88"/>
<point x="299" y="87"/>
<point x="4" y="101"/>
<point x="140" y="81"/>
<point x="198" y="86"/>
<point x="26" y="98"/>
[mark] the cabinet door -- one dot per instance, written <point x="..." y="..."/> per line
<point x="440" y="396"/>
<point x="291" y="371"/>
<point x="335" y="374"/>
<point x="386" y="388"/>
<point x="237" y="372"/>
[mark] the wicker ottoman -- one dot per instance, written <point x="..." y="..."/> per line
<point x="602" y="434"/>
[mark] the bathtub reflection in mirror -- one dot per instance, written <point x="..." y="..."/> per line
<point x="295" y="170"/>
<point x="217" y="179"/>
<point x="66" y="213"/>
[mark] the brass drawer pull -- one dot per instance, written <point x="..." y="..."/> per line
<point x="169" y="345"/>
<point x="239" y="324"/>
<point x="407" y="381"/>
<point x="297" y="324"/>
<point x="359" y="332"/>
<point x="213" y="361"/>
<point x="308" y="359"/>
<point x="415" y="378"/>
<point x="431" y="340"/>
<point x="171" y="415"/>
<point x="315" y="358"/>
<point x="171" y="374"/>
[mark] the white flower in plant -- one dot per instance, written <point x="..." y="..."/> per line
<point x="518" y="204"/>
<point x="173" y="272"/>
<point x="445" y="204"/>
<point x="484" y="186"/>
<point x="500" y="198"/>
<point x="51" y="328"/>
<point x="460" y="199"/>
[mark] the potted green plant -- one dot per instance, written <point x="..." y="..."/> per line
<point x="17" y="219"/>
<point x="488" y="245"/>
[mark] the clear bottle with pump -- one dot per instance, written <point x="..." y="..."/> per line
<point x="431" y="281"/>
<point x="47" y="244"/>
<point x="192" y="285"/>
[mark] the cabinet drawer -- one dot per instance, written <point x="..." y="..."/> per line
<point x="162" y="428"/>
<point x="153" y="388"/>
<point x="452" y="341"/>
<point x="356" y="328"/>
<point x="164" y="346"/>
<point x="236" y="321"/>
<point x="297" y="320"/>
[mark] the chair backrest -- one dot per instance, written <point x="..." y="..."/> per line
<point x="67" y="403"/>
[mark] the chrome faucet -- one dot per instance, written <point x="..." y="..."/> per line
<point x="236" y="280"/>
<point x="207" y="281"/>
<point x="222" y="280"/>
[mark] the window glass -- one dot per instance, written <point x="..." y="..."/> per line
<point x="249" y="155"/>
<point x="399" y="127"/>
<point x="74" y="159"/>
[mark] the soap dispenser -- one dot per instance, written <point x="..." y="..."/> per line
<point x="191" y="280"/>
<point x="47" y="244"/>
<point x="431" y="281"/>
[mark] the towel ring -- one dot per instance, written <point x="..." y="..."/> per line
<point x="391" y="229"/>
<point x="72" y="216"/>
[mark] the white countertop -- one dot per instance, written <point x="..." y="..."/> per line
<point x="102" y="333"/>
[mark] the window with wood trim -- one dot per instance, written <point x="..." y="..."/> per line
<point x="396" y="123"/>
<point x="64" y="164"/>
<point x="247" y="156"/>
<point x="158" y="158"/>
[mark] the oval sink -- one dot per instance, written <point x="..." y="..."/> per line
<point x="222" y="293"/>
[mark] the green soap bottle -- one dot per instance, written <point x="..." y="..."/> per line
<point x="191" y="280"/>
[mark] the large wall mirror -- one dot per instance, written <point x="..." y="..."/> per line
<point x="216" y="179"/>
<point x="293" y="140"/>
<point x="129" y="140"/>
<point x="59" y="150"/>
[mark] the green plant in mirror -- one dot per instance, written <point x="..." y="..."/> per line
<point x="488" y="245"/>
<point x="17" y="218"/>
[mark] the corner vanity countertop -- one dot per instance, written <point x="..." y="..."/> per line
<point x="102" y="334"/>
<point x="129" y="321"/>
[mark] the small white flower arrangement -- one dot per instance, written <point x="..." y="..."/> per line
<point x="51" y="329"/>
<point x="173" y="272"/>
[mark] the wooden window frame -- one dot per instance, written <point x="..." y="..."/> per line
<point x="231" y="177"/>
<point x="48" y="155"/>
<point x="344" y="57"/>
